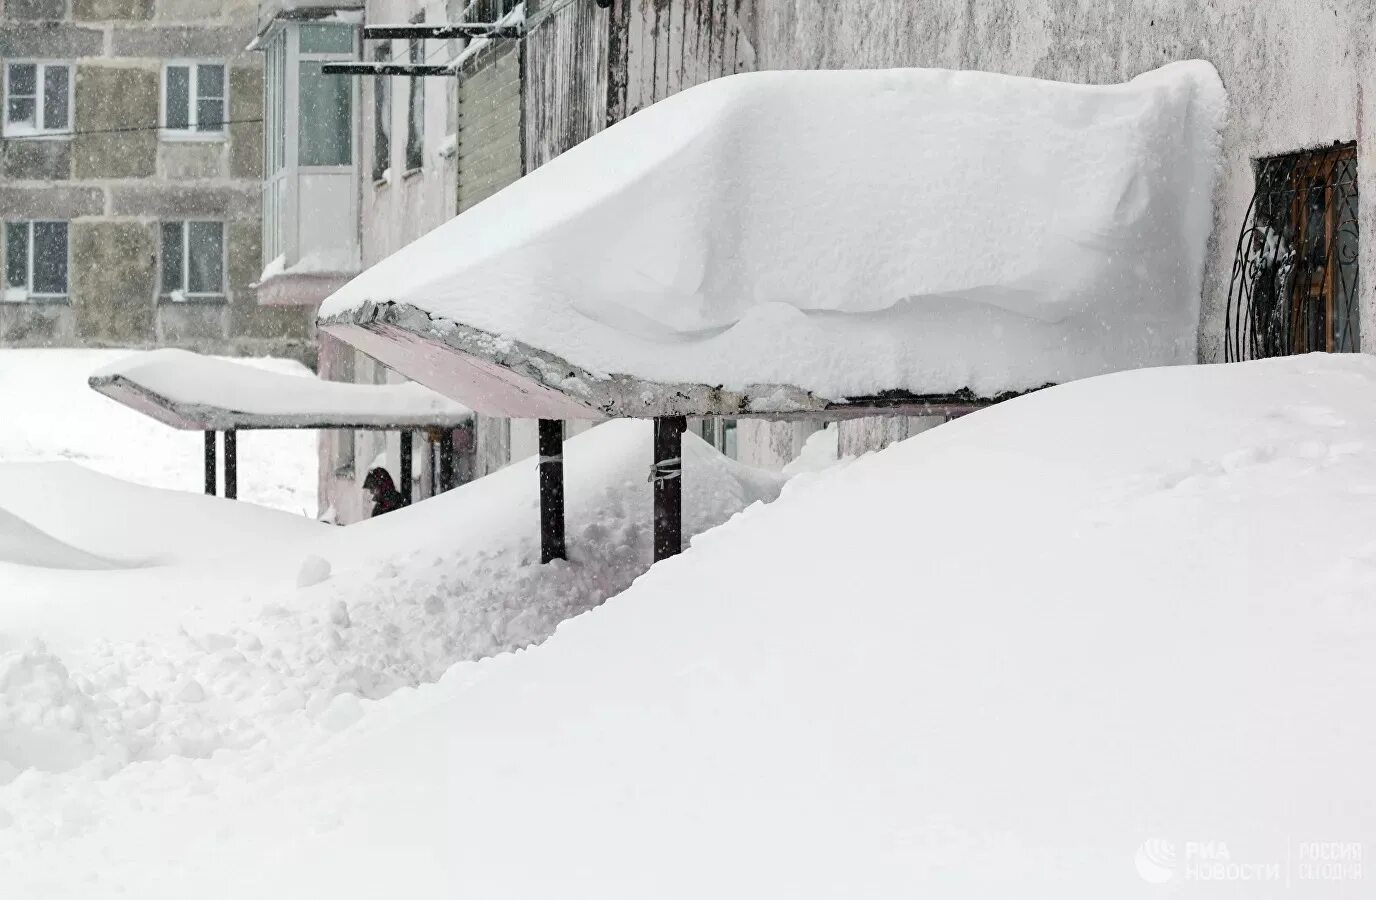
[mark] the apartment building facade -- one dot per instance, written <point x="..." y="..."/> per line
<point x="131" y="156"/>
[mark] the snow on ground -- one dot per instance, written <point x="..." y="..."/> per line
<point x="50" y="413"/>
<point x="247" y="636"/>
<point x="991" y="661"/>
<point x="811" y="228"/>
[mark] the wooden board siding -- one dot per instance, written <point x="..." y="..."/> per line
<point x="588" y="67"/>
<point x="660" y="47"/>
<point x="489" y="124"/>
<point x="566" y="78"/>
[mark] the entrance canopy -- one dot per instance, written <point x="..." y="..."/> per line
<point x="204" y="393"/>
<point x="817" y="245"/>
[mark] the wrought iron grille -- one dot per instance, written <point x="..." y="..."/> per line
<point x="1294" y="282"/>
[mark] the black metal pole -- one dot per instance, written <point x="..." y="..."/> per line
<point x="231" y="464"/>
<point x="446" y="460"/>
<point x="668" y="481"/>
<point x="210" y="470"/>
<point x="552" y="490"/>
<point x="406" y="468"/>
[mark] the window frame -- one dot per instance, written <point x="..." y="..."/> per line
<point x="192" y="132"/>
<point x="294" y="62"/>
<point x="26" y="294"/>
<point x="41" y="131"/>
<point x="188" y="296"/>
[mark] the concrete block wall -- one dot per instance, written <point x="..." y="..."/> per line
<point x="116" y="177"/>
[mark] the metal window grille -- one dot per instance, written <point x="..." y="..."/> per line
<point x="1294" y="280"/>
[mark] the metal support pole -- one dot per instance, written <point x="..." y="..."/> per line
<point x="406" y="468"/>
<point x="668" y="481"/>
<point x="552" y="490"/>
<point x="210" y="468"/>
<point x="231" y="464"/>
<point x="446" y="478"/>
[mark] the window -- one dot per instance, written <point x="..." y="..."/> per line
<point x="325" y="117"/>
<point x="1294" y="282"/>
<point x="382" y="117"/>
<point x="193" y="260"/>
<point x="38" y="98"/>
<point x="193" y="100"/>
<point x="35" y="260"/>
<point x="415" y="119"/>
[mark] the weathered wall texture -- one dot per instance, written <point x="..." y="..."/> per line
<point x="116" y="178"/>
<point x="488" y="145"/>
<point x="1298" y="74"/>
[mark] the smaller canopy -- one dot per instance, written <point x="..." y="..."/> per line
<point x="206" y="393"/>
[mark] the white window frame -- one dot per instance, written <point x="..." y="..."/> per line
<point x="191" y="132"/>
<point x="185" y="295"/>
<point x="26" y="293"/>
<point x="42" y="65"/>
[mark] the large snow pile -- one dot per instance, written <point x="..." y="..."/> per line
<point x="1106" y="636"/>
<point x="50" y="413"/>
<point x="255" y="635"/>
<point x="848" y="232"/>
<point x="179" y="386"/>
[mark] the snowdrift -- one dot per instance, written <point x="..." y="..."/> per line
<point x="993" y="661"/>
<point x="114" y="689"/>
<point x="847" y="233"/>
<point x="24" y="545"/>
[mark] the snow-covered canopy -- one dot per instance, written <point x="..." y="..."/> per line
<point x="187" y="390"/>
<point x="787" y="242"/>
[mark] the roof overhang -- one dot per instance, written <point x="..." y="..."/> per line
<point x="498" y="376"/>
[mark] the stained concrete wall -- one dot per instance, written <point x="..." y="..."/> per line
<point x="1298" y="72"/>
<point x="117" y="178"/>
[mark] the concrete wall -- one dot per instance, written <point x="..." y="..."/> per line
<point x="116" y="178"/>
<point x="1298" y="72"/>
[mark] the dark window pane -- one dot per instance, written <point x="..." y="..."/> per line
<point x="382" y="116"/>
<point x="55" y="97"/>
<point x="172" y="257"/>
<point x="327" y="39"/>
<point x="205" y="273"/>
<point x="178" y="97"/>
<point x="210" y="81"/>
<point x="22" y="111"/>
<point x="210" y="115"/>
<point x="23" y="80"/>
<point x="17" y="254"/>
<point x="415" y="128"/>
<point x="50" y="257"/>
<point x="325" y="121"/>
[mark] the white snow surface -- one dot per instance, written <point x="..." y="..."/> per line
<point x="198" y="384"/>
<point x="992" y="661"/>
<point x="848" y="232"/>
<point x="239" y="637"/>
<point x="51" y="414"/>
